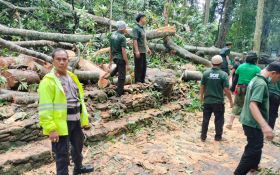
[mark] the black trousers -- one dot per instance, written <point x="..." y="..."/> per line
<point x="61" y="148"/>
<point x="274" y="102"/>
<point x="140" y="68"/>
<point x="121" y="70"/>
<point x="218" y="110"/>
<point x="253" y="151"/>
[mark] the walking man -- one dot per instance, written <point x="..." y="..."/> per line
<point x="274" y="102"/>
<point x="214" y="84"/>
<point x="119" y="56"/>
<point x="141" y="48"/>
<point x="254" y="118"/>
<point x="63" y="114"/>
<point x="244" y="74"/>
<point x="225" y="52"/>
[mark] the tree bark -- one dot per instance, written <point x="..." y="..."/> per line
<point x="86" y="65"/>
<point x="209" y="50"/>
<point x="14" y="47"/>
<point x="206" y="11"/>
<point x="259" y="26"/>
<point x="183" y="53"/>
<point x="12" y="6"/>
<point x="15" y="76"/>
<point x="225" y="23"/>
<point x="191" y="75"/>
<point x="44" y="35"/>
<point x="86" y="76"/>
<point x="40" y="43"/>
<point x="268" y="14"/>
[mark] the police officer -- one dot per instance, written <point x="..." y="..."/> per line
<point x="63" y="114"/>
<point x="254" y="118"/>
<point x="141" y="48"/>
<point x="213" y="85"/>
<point x="119" y="56"/>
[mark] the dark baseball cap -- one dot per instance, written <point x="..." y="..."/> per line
<point x="274" y="66"/>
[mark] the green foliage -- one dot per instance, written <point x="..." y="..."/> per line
<point x="193" y="94"/>
<point x="33" y="87"/>
<point x="23" y="86"/>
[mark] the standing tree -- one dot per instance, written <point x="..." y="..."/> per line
<point x="259" y="26"/>
<point x="206" y="12"/>
<point x="225" y="23"/>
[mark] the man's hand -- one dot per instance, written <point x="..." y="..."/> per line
<point x="137" y="54"/>
<point x="149" y="51"/>
<point x="53" y="136"/>
<point x="127" y="67"/>
<point x="87" y="127"/>
<point x="268" y="132"/>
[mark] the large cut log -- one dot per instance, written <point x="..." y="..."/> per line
<point x="15" y="76"/>
<point x="186" y="54"/>
<point x="209" y="50"/>
<point x="7" y="61"/>
<point x="40" y="43"/>
<point x="14" y="47"/>
<point x="87" y="76"/>
<point x="18" y="97"/>
<point x="87" y="65"/>
<point x="191" y="75"/>
<point x="71" y="38"/>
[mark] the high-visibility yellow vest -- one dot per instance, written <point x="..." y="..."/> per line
<point x="53" y="104"/>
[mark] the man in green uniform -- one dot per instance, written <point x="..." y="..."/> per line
<point x="274" y="102"/>
<point x="225" y="52"/>
<point x="63" y="114"/>
<point x="214" y="84"/>
<point x="141" y="48"/>
<point x="254" y="118"/>
<point x="244" y="74"/>
<point x="119" y="56"/>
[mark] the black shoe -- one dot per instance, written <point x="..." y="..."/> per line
<point x="83" y="170"/>
<point x="203" y="139"/>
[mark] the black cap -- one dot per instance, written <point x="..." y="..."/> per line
<point x="251" y="57"/>
<point x="274" y="66"/>
<point x="139" y="16"/>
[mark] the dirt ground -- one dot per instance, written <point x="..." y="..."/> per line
<point x="171" y="146"/>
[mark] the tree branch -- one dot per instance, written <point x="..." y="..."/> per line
<point x="14" y="47"/>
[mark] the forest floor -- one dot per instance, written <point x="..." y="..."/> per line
<point x="171" y="145"/>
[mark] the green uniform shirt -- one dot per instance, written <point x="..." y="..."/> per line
<point x="274" y="88"/>
<point x="214" y="80"/>
<point x="225" y="52"/>
<point x="117" y="42"/>
<point x="257" y="91"/>
<point x="246" y="72"/>
<point x="139" y="34"/>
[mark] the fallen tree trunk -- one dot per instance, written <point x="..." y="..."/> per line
<point x="15" y="76"/>
<point x="71" y="38"/>
<point x="209" y="50"/>
<point x="40" y="43"/>
<point x="14" y="47"/>
<point x="191" y="75"/>
<point x="86" y="65"/>
<point x="150" y="34"/>
<point x="186" y="54"/>
<point x="158" y="47"/>
<point x="86" y="76"/>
